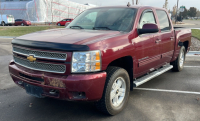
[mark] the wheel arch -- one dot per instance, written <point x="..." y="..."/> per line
<point x="126" y="63"/>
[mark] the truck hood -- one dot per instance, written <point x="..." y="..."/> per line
<point x="70" y="36"/>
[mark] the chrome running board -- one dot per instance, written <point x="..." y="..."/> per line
<point x="152" y="75"/>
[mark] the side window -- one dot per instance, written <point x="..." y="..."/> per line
<point x="163" y="20"/>
<point x="147" y="17"/>
<point x="64" y="20"/>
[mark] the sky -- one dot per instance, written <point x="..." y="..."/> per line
<point x="156" y="3"/>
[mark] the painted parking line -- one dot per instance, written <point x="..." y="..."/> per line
<point x="192" y="66"/>
<point x="162" y="90"/>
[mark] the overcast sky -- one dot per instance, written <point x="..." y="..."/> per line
<point x="156" y="3"/>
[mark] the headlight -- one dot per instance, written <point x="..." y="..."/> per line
<point x="86" y="61"/>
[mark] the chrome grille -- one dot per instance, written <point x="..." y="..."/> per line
<point x="40" y="54"/>
<point x="40" y="66"/>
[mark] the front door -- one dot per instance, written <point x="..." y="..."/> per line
<point x="166" y="35"/>
<point x="147" y="46"/>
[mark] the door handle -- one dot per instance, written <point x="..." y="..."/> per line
<point x="158" y="40"/>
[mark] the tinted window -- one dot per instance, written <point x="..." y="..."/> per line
<point x="147" y="17"/>
<point x="116" y="19"/>
<point x="10" y="16"/>
<point x="163" y="20"/>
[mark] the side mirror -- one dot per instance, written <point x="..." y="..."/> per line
<point x="148" y="28"/>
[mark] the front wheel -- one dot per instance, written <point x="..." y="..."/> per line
<point x="116" y="91"/>
<point x="179" y="62"/>
<point x="22" y="24"/>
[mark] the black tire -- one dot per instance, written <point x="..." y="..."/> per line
<point x="104" y="104"/>
<point x="177" y="66"/>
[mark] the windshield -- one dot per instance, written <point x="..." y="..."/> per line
<point x="116" y="19"/>
<point x="10" y="16"/>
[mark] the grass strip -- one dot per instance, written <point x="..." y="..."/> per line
<point x="18" y="31"/>
<point x="196" y="33"/>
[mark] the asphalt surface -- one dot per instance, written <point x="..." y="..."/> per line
<point x="189" y="24"/>
<point x="144" y="104"/>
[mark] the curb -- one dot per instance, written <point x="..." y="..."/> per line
<point x="193" y="53"/>
<point x="7" y="37"/>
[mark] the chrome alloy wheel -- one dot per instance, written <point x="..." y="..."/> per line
<point x="181" y="58"/>
<point x="118" y="91"/>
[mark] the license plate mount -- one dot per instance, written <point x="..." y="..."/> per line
<point x="34" y="90"/>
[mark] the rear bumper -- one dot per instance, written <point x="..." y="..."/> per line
<point x="74" y="87"/>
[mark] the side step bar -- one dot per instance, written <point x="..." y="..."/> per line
<point x="152" y="75"/>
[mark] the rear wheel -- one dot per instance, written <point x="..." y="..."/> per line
<point x="116" y="91"/>
<point x="58" y="24"/>
<point x="179" y="62"/>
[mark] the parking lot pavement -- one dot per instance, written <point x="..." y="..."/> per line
<point x="173" y="96"/>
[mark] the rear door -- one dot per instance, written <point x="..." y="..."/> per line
<point x="166" y="35"/>
<point x="147" y="50"/>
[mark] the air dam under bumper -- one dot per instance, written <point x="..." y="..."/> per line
<point x="74" y="87"/>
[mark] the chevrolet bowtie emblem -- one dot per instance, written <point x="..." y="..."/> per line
<point x="31" y="58"/>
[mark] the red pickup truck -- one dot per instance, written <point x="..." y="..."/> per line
<point x="100" y="56"/>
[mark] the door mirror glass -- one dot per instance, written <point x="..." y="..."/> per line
<point x="148" y="28"/>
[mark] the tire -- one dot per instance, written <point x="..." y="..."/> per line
<point x="117" y="85"/>
<point x="22" y="24"/>
<point x="179" y="62"/>
<point x="59" y="24"/>
<point x="3" y="23"/>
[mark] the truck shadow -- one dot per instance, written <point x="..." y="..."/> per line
<point x="52" y="109"/>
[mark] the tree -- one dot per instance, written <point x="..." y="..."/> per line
<point x="166" y="4"/>
<point x="174" y="11"/>
<point x="198" y="14"/>
<point x="2" y="11"/>
<point x="137" y="2"/>
<point x="185" y="13"/>
<point x="192" y="12"/>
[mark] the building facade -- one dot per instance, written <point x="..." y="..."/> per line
<point x="42" y="10"/>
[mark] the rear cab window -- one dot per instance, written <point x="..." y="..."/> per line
<point x="163" y="20"/>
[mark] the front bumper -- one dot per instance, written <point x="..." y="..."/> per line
<point x="75" y="87"/>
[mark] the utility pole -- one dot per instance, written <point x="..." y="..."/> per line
<point x="176" y="12"/>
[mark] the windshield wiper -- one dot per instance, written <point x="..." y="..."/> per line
<point x="102" y="28"/>
<point x="76" y="27"/>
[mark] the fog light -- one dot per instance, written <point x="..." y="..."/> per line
<point x="53" y="92"/>
<point x="20" y="82"/>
